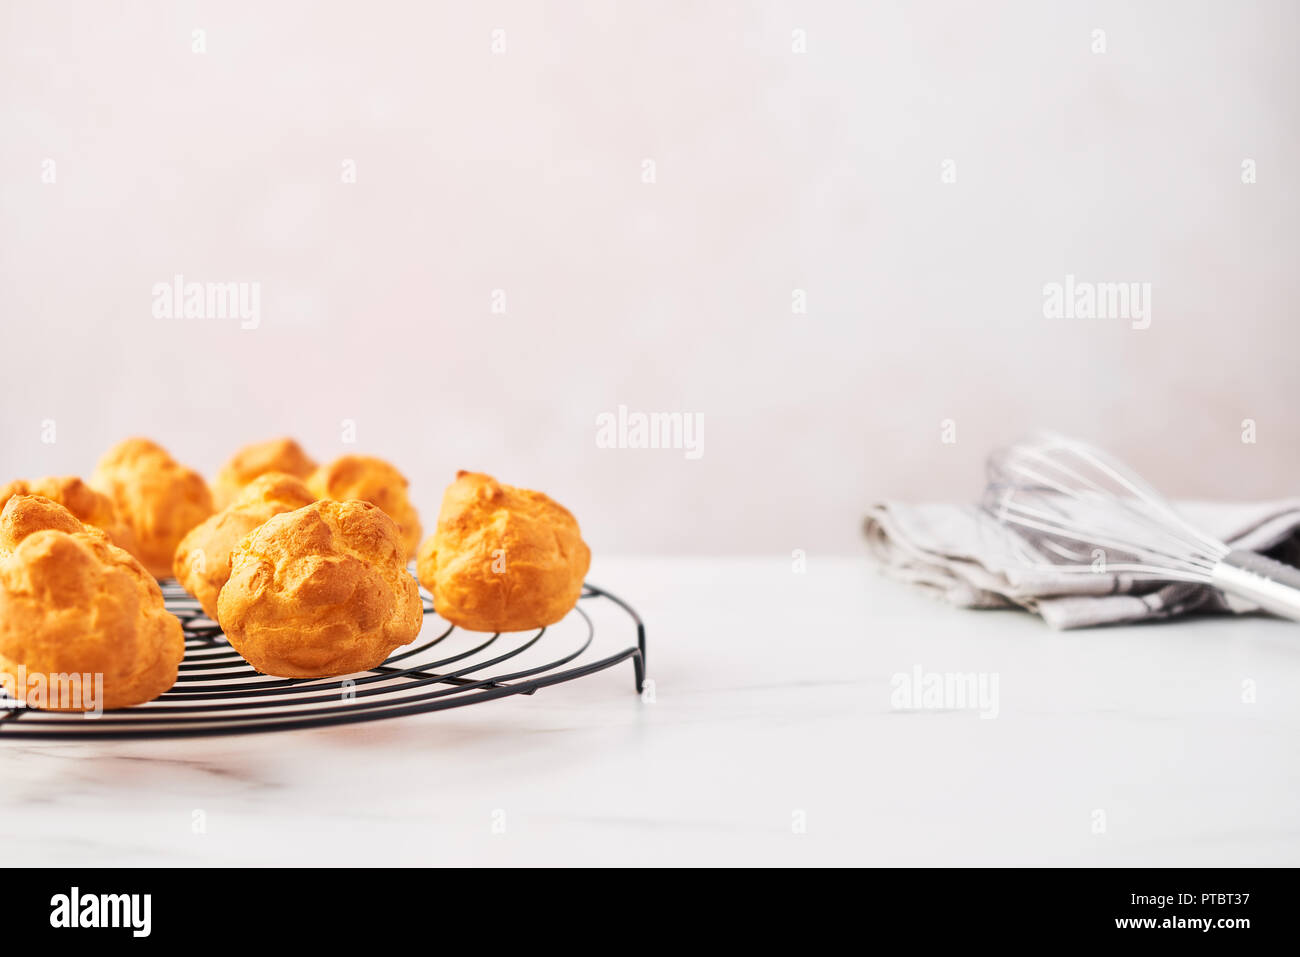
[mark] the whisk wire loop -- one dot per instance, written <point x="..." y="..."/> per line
<point x="1068" y="494"/>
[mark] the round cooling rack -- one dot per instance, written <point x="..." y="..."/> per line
<point x="218" y="692"/>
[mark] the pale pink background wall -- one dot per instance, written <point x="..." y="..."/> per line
<point x="775" y="170"/>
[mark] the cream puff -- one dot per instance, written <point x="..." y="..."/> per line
<point x="202" y="562"/>
<point x="79" y="612"/>
<point x="276" y="455"/>
<point x="502" y="558"/>
<point x="159" y="499"/>
<point x="370" y="480"/>
<point x="320" y="591"/>
<point x="86" y="505"/>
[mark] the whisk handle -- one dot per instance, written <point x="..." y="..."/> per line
<point x="1272" y="585"/>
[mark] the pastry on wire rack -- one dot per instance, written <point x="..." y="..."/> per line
<point x="371" y="480"/>
<point x="320" y="591"/>
<point x="159" y="499"/>
<point x="87" y="505"/>
<point x="275" y="455"/>
<point x="202" y="562"/>
<point x="82" y="623"/>
<point x="502" y="558"/>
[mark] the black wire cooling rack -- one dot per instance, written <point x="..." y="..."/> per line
<point x="218" y="692"/>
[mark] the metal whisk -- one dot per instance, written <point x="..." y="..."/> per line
<point x="1083" y="512"/>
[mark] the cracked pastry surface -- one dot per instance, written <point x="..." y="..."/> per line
<point x="159" y="499"/>
<point x="87" y="505"/>
<point x="371" y="480"/>
<point x="502" y="558"/>
<point x="202" y="561"/>
<point x="320" y="591"/>
<point x="260" y="458"/>
<point x="72" y="603"/>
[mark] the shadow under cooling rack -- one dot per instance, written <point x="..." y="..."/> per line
<point x="218" y="692"/>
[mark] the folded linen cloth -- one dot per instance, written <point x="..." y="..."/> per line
<point x="963" y="554"/>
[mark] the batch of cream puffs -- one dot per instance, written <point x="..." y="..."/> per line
<point x="304" y="567"/>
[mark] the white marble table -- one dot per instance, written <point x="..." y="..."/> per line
<point x="772" y="739"/>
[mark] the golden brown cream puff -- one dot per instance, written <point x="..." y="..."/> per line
<point x="202" y="562"/>
<point x="71" y="605"/>
<point x="277" y="455"/>
<point x="320" y="591"/>
<point x="86" y="505"/>
<point x="159" y="499"/>
<point x="502" y="558"/>
<point x="370" y="480"/>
